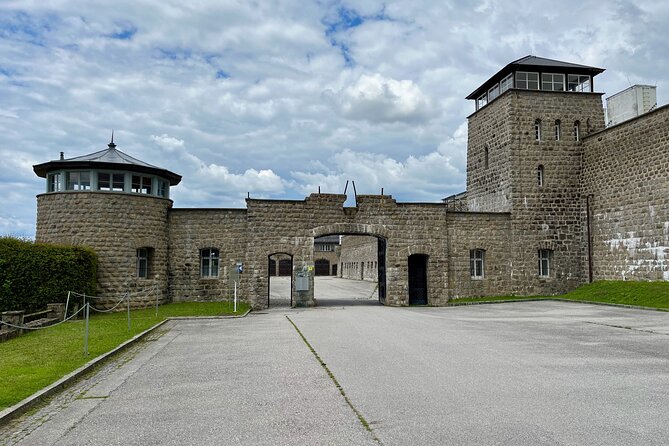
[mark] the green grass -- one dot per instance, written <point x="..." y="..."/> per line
<point x="643" y="294"/>
<point x="32" y="361"/>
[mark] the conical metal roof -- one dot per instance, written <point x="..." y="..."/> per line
<point x="109" y="158"/>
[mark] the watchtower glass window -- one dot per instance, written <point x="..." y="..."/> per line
<point x="552" y="82"/>
<point x="579" y="82"/>
<point x="141" y="184"/>
<point x="527" y="80"/>
<point x="111" y="181"/>
<point x="54" y="182"/>
<point x="78" y="180"/>
<point x="209" y="262"/>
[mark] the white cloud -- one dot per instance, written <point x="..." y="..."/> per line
<point x="376" y="99"/>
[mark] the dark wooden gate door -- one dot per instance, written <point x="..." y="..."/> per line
<point x="334" y="269"/>
<point x="285" y="267"/>
<point x="381" y="269"/>
<point x="418" y="279"/>
<point x="322" y="267"/>
<point x="272" y="267"/>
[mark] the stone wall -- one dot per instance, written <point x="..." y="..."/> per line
<point x="359" y="258"/>
<point x="192" y="230"/>
<point x="490" y="232"/>
<point x="626" y="171"/>
<point x="115" y="225"/>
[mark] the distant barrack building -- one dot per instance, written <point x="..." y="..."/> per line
<point x="554" y="199"/>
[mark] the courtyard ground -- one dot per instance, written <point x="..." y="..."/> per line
<point x="516" y="373"/>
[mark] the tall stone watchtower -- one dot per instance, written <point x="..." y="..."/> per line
<point x="116" y="205"/>
<point x="524" y="157"/>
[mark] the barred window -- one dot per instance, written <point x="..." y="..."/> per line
<point x="540" y="175"/>
<point x="209" y="262"/>
<point x="577" y="131"/>
<point x="545" y="258"/>
<point x="144" y="256"/>
<point x="537" y="129"/>
<point x="557" y="130"/>
<point x="476" y="263"/>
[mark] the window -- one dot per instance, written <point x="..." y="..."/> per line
<point x="540" y="175"/>
<point x="493" y="92"/>
<point x="141" y="185"/>
<point x="537" y="129"/>
<point x="162" y="188"/>
<point x="476" y="263"/>
<point x="54" y="182"/>
<point x="78" y="180"/>
<point x="557" y="130"/>
<point x="324" y="247"/>
<point x="111" y="181"/>
<point x="545" y="257"/>
<point x="209" y="262"/>
<point x="552" y="82"/>
<point x="143" y="260"/>
<point x="579" y="82"/>
<point x="577" y="131"/>
<point x="506" y="84"/>
<point x="527" y="81"/>
<point x="482" y="100"/>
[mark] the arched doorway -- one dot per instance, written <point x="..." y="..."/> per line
<point x="280" y="287"/>
<point x="417" y="279"/>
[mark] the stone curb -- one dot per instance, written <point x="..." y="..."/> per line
<point x="556" y="299"/>
<point x="22" y="406"/>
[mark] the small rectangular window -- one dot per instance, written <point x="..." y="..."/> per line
<point x="209" y="262"/>
<point x="557" y="130"/>
<point x="476" y="263"/>
<point x="545" y="257"/>
<point x="143" y="255"/>
<point x="552" y="82"/>
<point x="111" y="181"/>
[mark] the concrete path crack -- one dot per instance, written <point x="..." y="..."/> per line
<point x="357" y="413"/>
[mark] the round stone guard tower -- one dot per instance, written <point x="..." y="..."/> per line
<point x="117" y="205"/>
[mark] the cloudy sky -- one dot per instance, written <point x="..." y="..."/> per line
<point x="277" y="98"/>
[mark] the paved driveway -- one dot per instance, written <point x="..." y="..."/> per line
<point x="524" y="373"/>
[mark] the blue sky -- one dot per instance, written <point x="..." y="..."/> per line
<point x="279" y="98"/>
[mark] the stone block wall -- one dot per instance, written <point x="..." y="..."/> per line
<point x="192" y="230"/>
<point x="487" y="231"/>
<point x="115" y="225"/>
<point x="359" y="260"/>
<point x="626" y="170"/>
<point x="548" y="215"/>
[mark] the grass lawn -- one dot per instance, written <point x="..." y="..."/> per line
<point x="643" y="294"/>
<point x="33" y="361"/>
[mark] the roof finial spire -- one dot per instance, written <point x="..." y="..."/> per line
<point x="111" y="145"/>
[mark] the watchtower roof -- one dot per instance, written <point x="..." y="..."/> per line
<point x="109" y="158"/>
<point x="534" y="64"/>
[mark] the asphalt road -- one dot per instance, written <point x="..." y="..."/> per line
<point x="530" y="373"/>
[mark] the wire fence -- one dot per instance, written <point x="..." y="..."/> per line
<point x="87" y="306"/>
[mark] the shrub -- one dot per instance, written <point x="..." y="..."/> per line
<point x="34" y="274"/>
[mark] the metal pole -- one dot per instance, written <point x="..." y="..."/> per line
<point x="127" y="298"/>
<point x="86" y="330"/>
<point x="235" y="296"/>
<point x="67" y="304"/>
